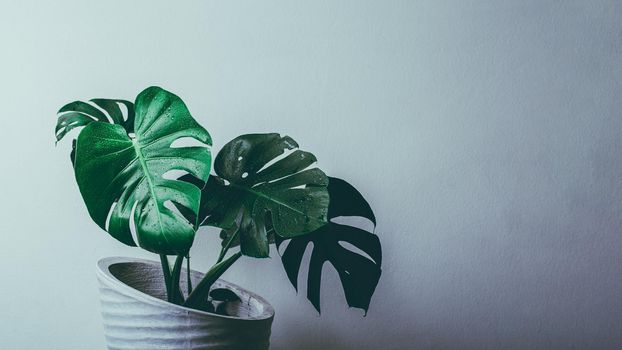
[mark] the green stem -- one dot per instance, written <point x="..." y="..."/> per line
<point x="176" y="297"/>
<point x="166" y="271"/>
<point x="226" y="246"/>
<point x="188" y="274"/>
<point x="201" y="291"/>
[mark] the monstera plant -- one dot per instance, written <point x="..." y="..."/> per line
<point x="143" y="170"/>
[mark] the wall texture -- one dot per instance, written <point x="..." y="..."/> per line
<point x="486" y="134"/>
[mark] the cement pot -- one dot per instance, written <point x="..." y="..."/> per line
<point x="137" y="316"/>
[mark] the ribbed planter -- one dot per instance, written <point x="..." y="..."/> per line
<point x="137" y="316"/>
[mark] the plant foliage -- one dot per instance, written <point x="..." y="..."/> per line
<point x="264" y="190"/>
<point x="120" y="166"/>
<point x="359" y="274"/>
<point x="253" y="185"/>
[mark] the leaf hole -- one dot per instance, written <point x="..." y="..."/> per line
<point x="172" y="207"/>
<point x="285" y="153"/>
<point x="133" y="224"/>
<point x="303" y="272"/>
<point x="351" y="247"/>
<point x="107" y="224"/>
<point x="187" y="141"/>
<point x="124" y="111"/>
<point x="283" y="246"/>
<point x="174" y="174"/>
<point x="245" y="175"/>
<point x="355" y="221"/>
<point x="104" y="112"/>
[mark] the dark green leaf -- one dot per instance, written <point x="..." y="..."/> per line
<point x="78" y="113"/>
<point x="359" y="274"/>
<point x="223" y="294"/>
<point x="117" y="171"/>
<point x="69" y="121"/>
<point x="254" y="185"/>
<point x="345" y="200"/>
<point x="112" y="107"/>
<point x="86" y="109"/>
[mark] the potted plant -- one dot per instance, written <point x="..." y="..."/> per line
<point x="145" y="184"/>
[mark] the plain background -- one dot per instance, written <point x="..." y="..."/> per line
<point x="487" y="135"/>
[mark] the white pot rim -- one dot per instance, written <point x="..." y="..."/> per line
<point x="103" y="272"/>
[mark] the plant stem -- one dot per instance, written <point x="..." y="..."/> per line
<point x="176" y="294"/>
<point x="188" y="274"/>
<point x="201" y="291"/>
<point x="166" y="270"/>
<point x="226" y="246"/>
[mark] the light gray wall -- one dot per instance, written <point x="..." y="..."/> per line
<point x="486" y="134"/>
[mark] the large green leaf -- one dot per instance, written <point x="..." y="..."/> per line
<point x="256" y="182"/>
<point x="120" y="169"/>
<point x="359" y="274"/>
